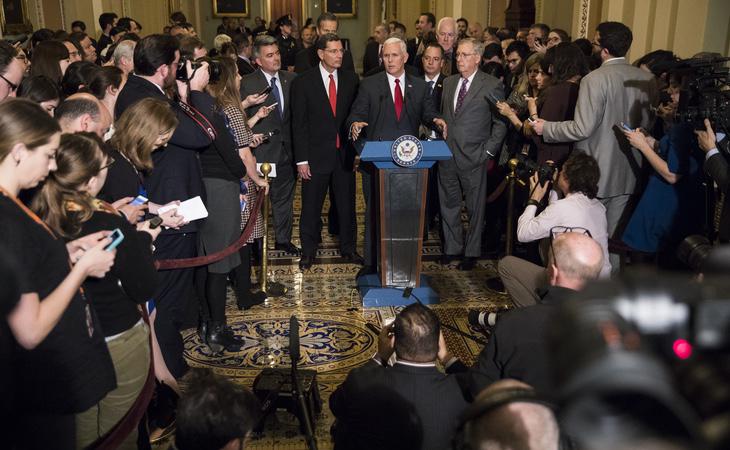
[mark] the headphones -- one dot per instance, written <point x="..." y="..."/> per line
<point x="482" y="406"/>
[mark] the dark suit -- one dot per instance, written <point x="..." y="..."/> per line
<point x="371" y="59"/>
<point x="308" y="58"/>
<point x="475" y="134"/>
<point x="517" y="347"/>
<point x="432" y="196"/>
<point x="396" y="407"/>
<point x="277" y="149"/>
<point x="316" y="130"/>
<point x="374" y="105"/>
<point x="244" y="67"/>
<point x="176" y="176"/>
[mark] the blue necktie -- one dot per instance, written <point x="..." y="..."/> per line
<point x="275" y="91"/>
<point x="430" y="87"/>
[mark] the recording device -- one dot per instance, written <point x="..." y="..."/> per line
<point x="214" y="69"/>
<point x="266" y="91"/>
<point x="139" y="200"/>
<point x="704" y="92"/>
<point x="526" y="167"/>
<point x="117" y="237"/>
<point x="155" y="222"/>
<point x="269" y="134"/>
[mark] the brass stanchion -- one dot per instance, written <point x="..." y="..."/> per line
<point x="273" y="288"/>
<point x="495" y="283"/>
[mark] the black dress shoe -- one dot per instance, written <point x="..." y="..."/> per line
<point x="219" y="339"/>
<point x="468" y="263"/>
<point x="306" y="262"/>
<point x="250" y="299"/>
<point x="447" y="259"/>
<point x="365" y="270"/>
<point x="353" y="258"/>
<point x="288" y="248"/>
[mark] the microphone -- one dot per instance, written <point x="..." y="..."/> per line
<point x="294" y="339"/>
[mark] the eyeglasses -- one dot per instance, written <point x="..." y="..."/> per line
<point x="109" y="162"/>
<point x="13" y="86"/>
<point x="558" y="230"/>
<point x="464" y="55"/>
<point x="335" y="51"/>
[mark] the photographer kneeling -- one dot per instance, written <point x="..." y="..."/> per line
<point x="578" y="209"/>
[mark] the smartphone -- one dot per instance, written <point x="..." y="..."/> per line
<point x="272" y="106"/>
<point x="626" y="127"/>
<point x="266" y="91"/>
<point x="139" y="200"/>
<point x="117" y="237"/>
<point x="531" y="120"/>
<point x="155" y="222"/>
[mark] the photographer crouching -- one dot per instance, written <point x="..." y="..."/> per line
<point x="578" y="210"/>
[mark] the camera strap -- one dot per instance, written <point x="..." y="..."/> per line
<point x="198" y="118"/>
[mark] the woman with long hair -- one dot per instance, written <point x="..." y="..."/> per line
<point x="68" y="205"/>
<point x="106" y="84"/>
<point x="62" y="366"/>
<point x="143" y="128"/>
<point x="42" y="90"/>
<point x="50" y="58"/>
<point x="227" y="94"/>
<point x="533" y="83"/>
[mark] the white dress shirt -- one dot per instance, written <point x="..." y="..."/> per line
<point x="468" y="86"/>
<point x="391" y="84"/>
<point x="278" y="87"/>
<point x="575" y="210"/>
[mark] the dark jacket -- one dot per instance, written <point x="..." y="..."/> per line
<point x="398" y="407"/>
<point x="244" y="67"/>
<point x="315" y="126"/>
<point x="371" y="59"/>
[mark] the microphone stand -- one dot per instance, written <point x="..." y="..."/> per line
<point x="296" y="385"/>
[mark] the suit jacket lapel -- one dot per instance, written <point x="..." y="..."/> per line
<point x="476" y="86"/>
<point x="448" y="95"/>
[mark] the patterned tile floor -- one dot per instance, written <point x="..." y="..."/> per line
<point x="334" y="337"/>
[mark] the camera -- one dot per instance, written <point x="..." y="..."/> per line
<point x="527" y="167"/>
<point x="214" y="68"/>
<point x="704" y="92"/>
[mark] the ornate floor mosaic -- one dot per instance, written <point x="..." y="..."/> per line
<point x="334" y="337"/>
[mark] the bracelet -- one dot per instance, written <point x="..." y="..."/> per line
<point x="533" y="202"/>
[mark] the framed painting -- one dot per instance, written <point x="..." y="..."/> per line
<point x="230" y="8"/>
<point x="341" y="8"/>
<point x="14" y="17"/>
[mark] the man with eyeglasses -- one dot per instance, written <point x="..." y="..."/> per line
<point x="475" y="136"/>
<point x="446" y="36"/>
<point x="11" y="70"/>
<point x="616" y="93"/>
<point x="578" y="209"/>
<point x="517" y="347"/>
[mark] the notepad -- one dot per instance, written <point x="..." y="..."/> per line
<point x="191" y="209"/>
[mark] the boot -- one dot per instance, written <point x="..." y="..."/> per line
<point x="218" y="339"/>
<point x="202" y="329"/>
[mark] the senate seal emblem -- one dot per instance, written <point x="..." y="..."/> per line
<point x="406" y="151"/>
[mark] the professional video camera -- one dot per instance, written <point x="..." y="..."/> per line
<point x="705" y="92"/>
<point x="526" y="167"/>
<point x="650" y="353"/>
<point x="214" y="68"/>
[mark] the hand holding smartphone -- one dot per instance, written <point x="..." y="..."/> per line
<point x="117" y="237"/>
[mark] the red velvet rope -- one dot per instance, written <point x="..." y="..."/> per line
<point x="183" y="263"/>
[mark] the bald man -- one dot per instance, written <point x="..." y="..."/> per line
<point x="516" y="348"/>
<point x="83" y="112"/>
<point x="525" y="422"/>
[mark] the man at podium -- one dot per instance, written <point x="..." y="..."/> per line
<point x="389" y="104"/>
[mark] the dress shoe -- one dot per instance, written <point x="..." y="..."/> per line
<point x="250" y="299"/>
<point x="219" y="339"/>
<point x="353" y="258"/>
<point x="306" y="262"/>
<point x="288" y="248"/>
<point x="365" y="270"/>
<point x="447" y="259"/>
<point x="468" y="263"/>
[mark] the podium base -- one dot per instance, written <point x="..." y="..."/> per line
<point x="373" y="295"/>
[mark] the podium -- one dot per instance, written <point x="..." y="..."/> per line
<point x="400" y="204"/>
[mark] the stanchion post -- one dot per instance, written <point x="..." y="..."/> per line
<point x="272" y="289"/>
<point x="511" y="180"/>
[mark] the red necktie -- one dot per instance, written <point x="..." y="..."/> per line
<point x="333" y="103"/>
<point x="398" y="99"/>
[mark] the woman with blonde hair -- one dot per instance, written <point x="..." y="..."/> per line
<point x="61" y="365"/>
<point x="143" y="128"/>
<point x="67" y="203"/>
